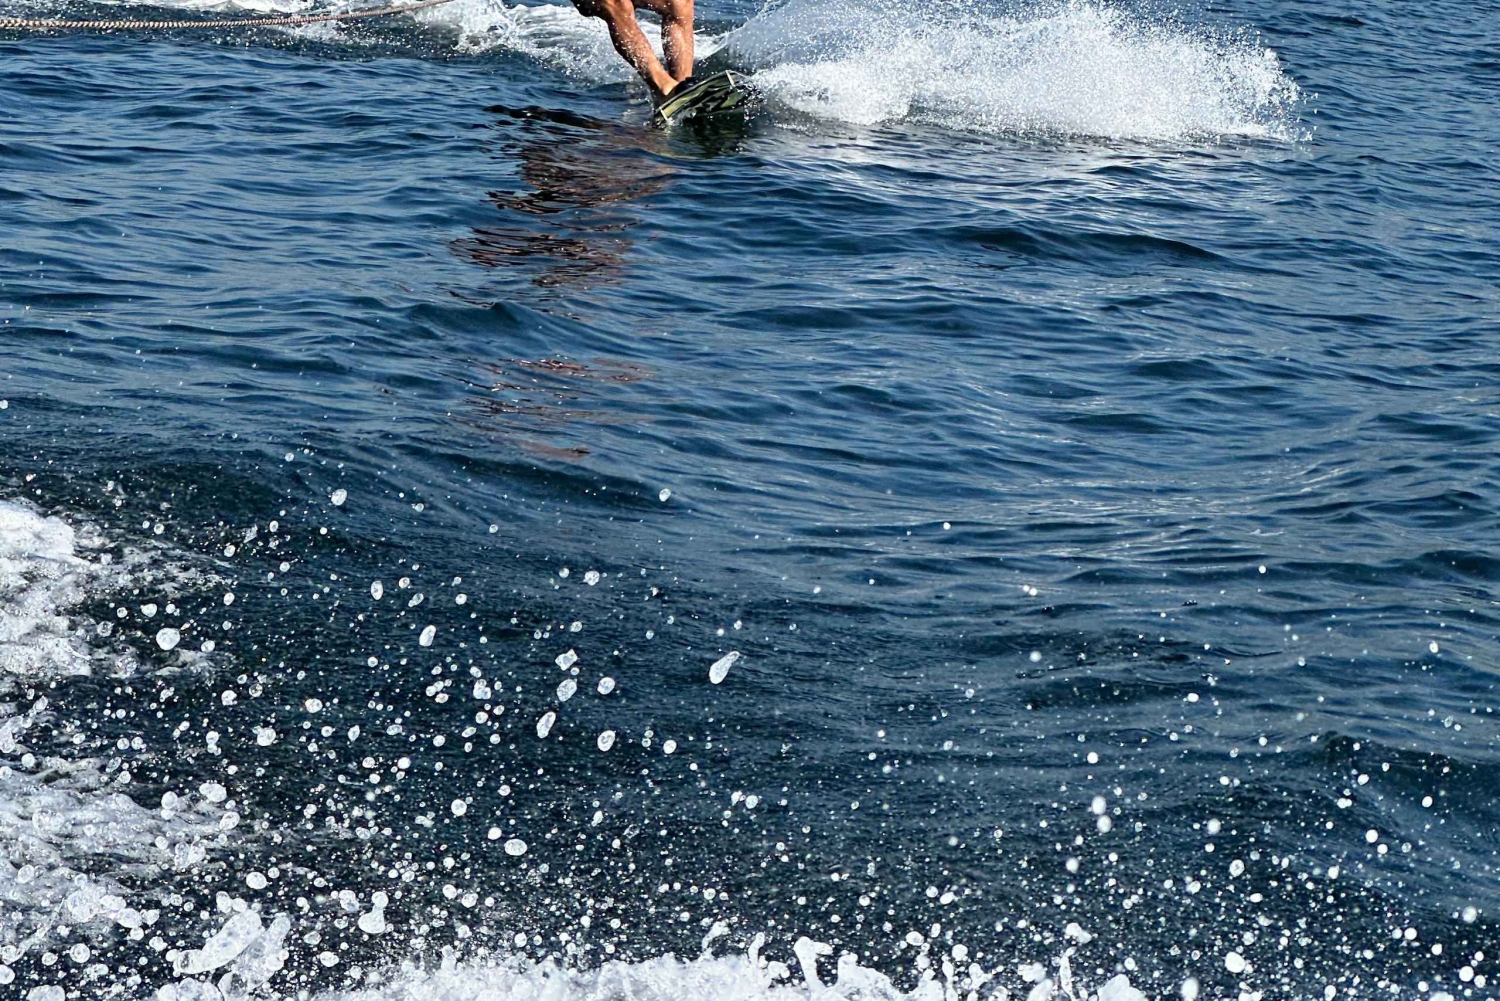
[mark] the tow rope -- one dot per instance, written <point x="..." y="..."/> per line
<point x="40" y="24"/>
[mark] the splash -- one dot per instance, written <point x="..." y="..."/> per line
<point x="44" y="571"/>
<point x="1076" y="69"/>
<point x="745" y="977"/>
<point x="68" y="828"/>
<point x="556" y="35"/>
<point x="49" y="569"/>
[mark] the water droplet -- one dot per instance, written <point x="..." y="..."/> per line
<point x="719" y="669"/>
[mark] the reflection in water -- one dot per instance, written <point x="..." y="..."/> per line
<point x="581" y="185"/>
<point x="548" y="397"/>
<point x="564" y="260"/>
<point x="563" y="225"/>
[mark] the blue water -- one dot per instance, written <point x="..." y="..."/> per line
<point x="1081" y="419"/>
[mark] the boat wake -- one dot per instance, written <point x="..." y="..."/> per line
<point x="1079" y="68"/>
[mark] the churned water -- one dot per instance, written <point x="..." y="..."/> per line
<point x="1015" y="519"/>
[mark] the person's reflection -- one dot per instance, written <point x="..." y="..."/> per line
<point x="548" y="398"/>
<point x="564" y="225"/>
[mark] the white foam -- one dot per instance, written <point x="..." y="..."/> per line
<point x="42" y="576"/>
<point x="222" y="946"/>
<point x="664" y="978"/>
<point x="256" y="951"/>
<point x="63" y="822"/>
<point x="48" y="568"/>
<point x="556" y="35"/>
<point x="747" y="976"/>
<point x="1073" y="68"/>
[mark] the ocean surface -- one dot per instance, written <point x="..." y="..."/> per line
<point x="1018" y="517"/>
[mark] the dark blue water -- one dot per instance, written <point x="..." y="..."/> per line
<point x="1080" y="419"/>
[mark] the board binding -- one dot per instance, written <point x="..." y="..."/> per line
<point x="713" y="95"/>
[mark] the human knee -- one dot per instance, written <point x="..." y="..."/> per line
<point x="608" y="10"/>
<point x="670" y="11"/>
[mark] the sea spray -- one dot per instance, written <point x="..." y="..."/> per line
<point x="1071" y="69"/>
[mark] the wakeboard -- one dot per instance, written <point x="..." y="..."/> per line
<point x="694" y="98"/>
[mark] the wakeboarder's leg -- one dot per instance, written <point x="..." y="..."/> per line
<point x="676" y="34"/>
<point x="631" y="44"/>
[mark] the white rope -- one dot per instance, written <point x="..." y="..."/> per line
<point x="39" y="24"/>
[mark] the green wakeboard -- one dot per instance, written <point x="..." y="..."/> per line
<point x="694" y="98"/>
